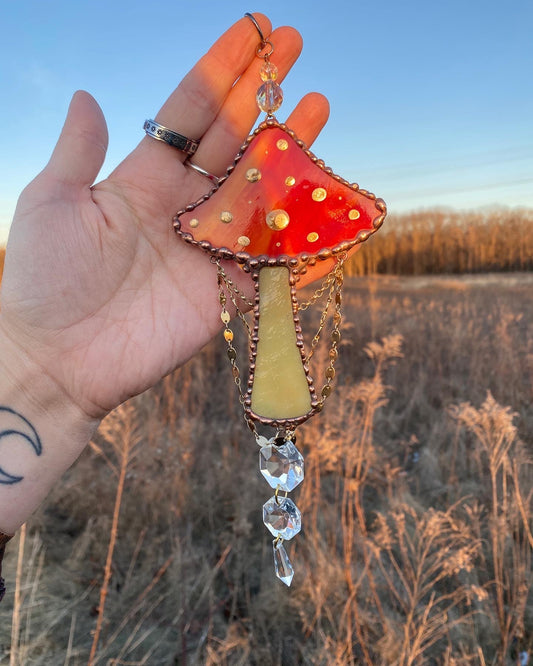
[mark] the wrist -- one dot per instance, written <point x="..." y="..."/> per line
<point x="42" y="432"/>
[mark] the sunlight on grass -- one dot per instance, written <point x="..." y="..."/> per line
<point x="417" y="506"/>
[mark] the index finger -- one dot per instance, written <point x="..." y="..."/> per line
<point x="198" y="101"/>
<point x="195" y="103"/>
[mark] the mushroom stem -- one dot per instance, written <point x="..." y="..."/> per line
<point x="280" y="387"/>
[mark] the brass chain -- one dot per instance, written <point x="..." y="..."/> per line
<point x="228" y="337"/>
<point x="233" y="291"/>
<point x="323" y="317"/>
<point x="335" y="339"/>
<point x="231" y="286"/>
<point x="331" y="281"/>
<point x="326" y="284"/>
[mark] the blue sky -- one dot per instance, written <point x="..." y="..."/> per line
<point x="431" y="102"/>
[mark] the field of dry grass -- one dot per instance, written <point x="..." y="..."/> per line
<point x="436" y="241"/>
<point x="417" y="506"/>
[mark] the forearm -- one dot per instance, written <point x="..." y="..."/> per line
<point x="42" y="432"/>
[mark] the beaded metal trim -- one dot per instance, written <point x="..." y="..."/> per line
<point x="250" y="262"/>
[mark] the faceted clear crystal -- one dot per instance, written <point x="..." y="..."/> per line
<point x="282" y="564"/>
<point x="281" y="466"/>
<point x="282" y="517"/>
<point x="269" y="72"/>
<point x="269" y="96"/>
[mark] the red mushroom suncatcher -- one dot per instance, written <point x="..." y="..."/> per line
<point x="286" y="218"/>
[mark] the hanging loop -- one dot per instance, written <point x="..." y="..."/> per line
<point x="264" y="42"/>
<point x="257" y="27"/>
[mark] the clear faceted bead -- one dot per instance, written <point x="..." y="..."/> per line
<point x="269" y="96"/>
<point x="269" y="72"/>
<point x="281" y="466"/>
<point x="282" y="564"/>
<point x="282" y="517"/>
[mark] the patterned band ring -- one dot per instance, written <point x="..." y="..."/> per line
<point x="162" y="133"/>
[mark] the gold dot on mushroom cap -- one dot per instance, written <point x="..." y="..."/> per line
<point x="226" y="216"/>
<point x="194" y="223"/>
<point x="277" y="219"/>
<point x="312" y="237"/>
<point x="243" y="240"/>
<point x="354" y="214"/>
<point x="253" y="175"/>
<point x="282" y="144"/>
<point x="290" y="180"/>
<point x="319" y="194"/>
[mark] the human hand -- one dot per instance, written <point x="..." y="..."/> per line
<point x="98" y="292"/>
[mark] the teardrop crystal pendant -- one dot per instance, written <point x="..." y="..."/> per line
<point x="282" y="564"/>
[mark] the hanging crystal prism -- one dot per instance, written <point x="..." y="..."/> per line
<point x="282" y="517"/>
<point x="282" y="564"/>
<point x="282" y="466"/>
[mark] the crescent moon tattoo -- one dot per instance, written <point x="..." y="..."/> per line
<point x="13" y="424"/>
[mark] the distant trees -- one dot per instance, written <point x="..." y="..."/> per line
<point x="442" y="241"/>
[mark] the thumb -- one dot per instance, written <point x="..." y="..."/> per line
<point x="82" y="145"/>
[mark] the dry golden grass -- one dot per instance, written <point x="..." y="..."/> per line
<point x="446" y="241"/>
<point x="417" y="504"/>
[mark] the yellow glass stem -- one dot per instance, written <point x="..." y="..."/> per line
<point x="280" y="389"/>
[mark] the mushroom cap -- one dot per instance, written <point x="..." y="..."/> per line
<point x="278" y="202"/>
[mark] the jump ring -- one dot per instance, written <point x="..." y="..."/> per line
<point x="262" y="46"/>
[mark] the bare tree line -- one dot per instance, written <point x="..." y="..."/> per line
<point x="437" y="241"/>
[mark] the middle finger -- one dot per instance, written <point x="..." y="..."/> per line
<point x="235" y="119"/>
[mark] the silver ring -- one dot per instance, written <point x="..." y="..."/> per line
<point x="202" y="172"/>
<point x="162" y="133"/>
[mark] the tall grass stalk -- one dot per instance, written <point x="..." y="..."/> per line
<point x="17" y="604"/>
<point x="120" y="430"/>
<point x="509" y="525"/>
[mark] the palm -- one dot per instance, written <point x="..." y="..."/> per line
<point x="114" y="300"/>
